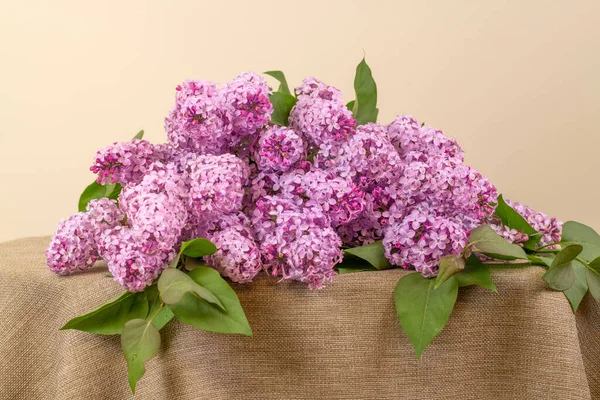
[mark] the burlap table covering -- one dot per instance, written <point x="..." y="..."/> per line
<point x="343" y="342"/>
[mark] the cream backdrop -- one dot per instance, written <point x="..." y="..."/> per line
<point x="516" y="82"/>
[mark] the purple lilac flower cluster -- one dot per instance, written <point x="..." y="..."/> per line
<point x="549" y="228"/>
<point x="279" y="199"/>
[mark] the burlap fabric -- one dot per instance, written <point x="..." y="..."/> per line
<point x="342" y="342"/>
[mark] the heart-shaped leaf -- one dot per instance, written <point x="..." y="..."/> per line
<point x="195" y="311"/>
<point x="283" y="85"/>
<point x="561" y="275"/>
<point x="109" y="318"/>
<point x="423" y="312"/>
<point x="485" y="240"/>
<point x="373" y="253"/>
<point x="450" y="265"/>
<point x="577" y="233"/>
<point x="140" y="341"/>
<point x="566" y="255"/>
<point x="174" y="284"/>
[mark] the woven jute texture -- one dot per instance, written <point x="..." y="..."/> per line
<point x="343" y="342"/>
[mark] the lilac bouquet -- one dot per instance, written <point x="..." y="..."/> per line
<point x="300" y="187"/>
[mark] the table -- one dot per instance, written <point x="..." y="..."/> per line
<point x="342" y="342"/>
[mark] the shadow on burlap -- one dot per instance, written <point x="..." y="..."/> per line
<point x="343" y="342"/>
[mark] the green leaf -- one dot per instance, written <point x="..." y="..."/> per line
<point x="423" y="312"/>
<point x="593" y="283"/>
<point x="577" y="233"/>
<point x="195" y="248"/>
<point x="561" y="275"/>
<point x="560" y="278"/>
<point x="514" y="220"/>
<point x="283" y="85"/>
<point x="485" y="240"/>
<point x="282" y="105"/>
<point x="450" y="265"/>
<point x="109" y="318"/>
<point x="350" y="105"/>
<point x="140" y="341"/>
<point x="344" y="270"/>
<point x="475" y="273"/>
<point x="198" y="247"/>
<point x="160" y="317"/>
<point x="194" y="311"/>
<point x="365" y="106"/>
<point x="173" y="284"/>
<point x="139" y="135"/>
<point x="566" y="255"/>
<point x="373" y="253"/>
<point x="97" y="191"/>
<point x="351" y="263"/>
<point x="576" y="292"/>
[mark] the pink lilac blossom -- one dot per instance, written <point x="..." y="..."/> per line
<point x="126" y="163"/>
<point x="279" y="148"/>
<point x="137" y="252"/>
<point x="402" y="127"/>
<point x="197" y="122"/>
<point x="321" y="121"/>
<point x="269" y="212"/>
<point x="421" y="239"/>
<point x="549" y="227"/>
<point x="205" y="226"/>
<point x="237" y="257"/>
<point x="104" y="214"/>
<point x="161" y="178"/>
<point x="512" y="235"/>
<point x="301" y="251"/>
<point x="424" y="143"/>
<point x="73" y="246"/>
<point x="313" y="87"/>
<point x="339" y="198"/>
<point x="132" y="262"/>
<point x="370" y="155"/>
<point x="217" y="183"/>
<point x="245" y="101"/>
<point x="381" y="208"/>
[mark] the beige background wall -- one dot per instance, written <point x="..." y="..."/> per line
<point x="517" y="82"/>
